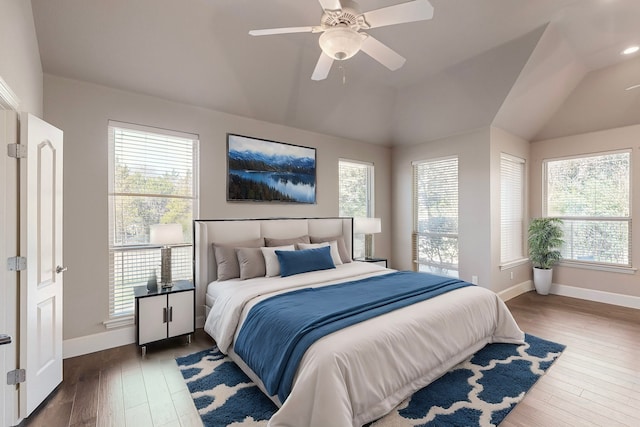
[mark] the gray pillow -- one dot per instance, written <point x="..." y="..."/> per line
<point x="286" y="242"/>
<point x="251" y="263"/>
<point x="345" y="256"/>
<point x="226" y="259"/>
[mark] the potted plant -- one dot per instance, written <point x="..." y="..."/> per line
<point x="545" y="239"/>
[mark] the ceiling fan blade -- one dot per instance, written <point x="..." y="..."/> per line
<point x="330" y="4"/>
<point x="271" y="31"/>
<point x="322" y="67"/>
<point x="417" y="10"/>
<point x="382" y="53"/>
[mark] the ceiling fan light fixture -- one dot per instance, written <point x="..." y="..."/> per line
<point x="340" y="42"/>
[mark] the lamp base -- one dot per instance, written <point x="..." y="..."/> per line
<point x="368" y="246"/>
<point x="165" y="267"/>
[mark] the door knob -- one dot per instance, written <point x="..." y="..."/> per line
<point x="60" y="269"/>
<point x="5" y="339"/>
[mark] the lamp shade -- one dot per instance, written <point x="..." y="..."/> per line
<point x="340" y="42"/>
<point x="364" y="225"/>
<point x="165" y="234"/>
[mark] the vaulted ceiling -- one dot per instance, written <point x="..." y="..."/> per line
<point x="510" y="63"/>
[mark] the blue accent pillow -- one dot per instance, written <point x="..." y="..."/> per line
<point x="303" y="261"/>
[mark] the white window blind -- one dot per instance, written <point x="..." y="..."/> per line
<point x="435" y="204"/>
<point x="152" y="180"/>
<point x="591" y="195"/>
<point x="356" y="195"/>
<point x="511" y="208"/>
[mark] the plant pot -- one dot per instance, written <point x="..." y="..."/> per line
<point x="542" y="280"/>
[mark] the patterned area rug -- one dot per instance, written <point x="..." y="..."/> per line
<point x="480" y="391"/>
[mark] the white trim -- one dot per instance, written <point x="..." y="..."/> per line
<point x="119" y="322"/>
<point x="97" y="342"/>
<point x="514" y="291"/>
<point x="355" y="162"/>
<point x="599" y="267"/>
<point x="435" y="159"/>
<point x="105" y="340"/>
<point x="153" y="129"/>
<point x="622" y="300"/>
<point x="512" y="264"/>
<point x="512" y="158"/>
<point x="596" y="296"/>
<point x="8" y="98"/>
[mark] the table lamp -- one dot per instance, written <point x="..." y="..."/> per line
<point x="165" y="235"/>
<point x="367" y="226"/>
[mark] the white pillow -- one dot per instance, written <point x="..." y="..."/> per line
<point x="271" y="259"/>
<point x="335" y="254"/>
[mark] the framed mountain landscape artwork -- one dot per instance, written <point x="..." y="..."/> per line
<point x="267" y="171"/>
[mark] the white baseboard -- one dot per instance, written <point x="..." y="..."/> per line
<point x="514" y="291"/>
<point x="102" y="341"/>
<point x="596" y="296"/>
<point x="97" y="342"/>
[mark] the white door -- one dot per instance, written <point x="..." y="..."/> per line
<point x="41" y="244"/>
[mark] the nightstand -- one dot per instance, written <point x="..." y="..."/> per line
<point x="164" y="313"/>
<point x="380" y="261"/>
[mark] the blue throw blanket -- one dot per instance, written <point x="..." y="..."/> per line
<point x="279" y="330"/>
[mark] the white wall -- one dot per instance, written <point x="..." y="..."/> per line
<point x="473" y="153"/>
<point x="20" y="65"/>
<point x="606" y="140"/>
<point x="82" y="110"/>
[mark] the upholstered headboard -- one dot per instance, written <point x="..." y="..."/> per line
<point x="211" y="231"/>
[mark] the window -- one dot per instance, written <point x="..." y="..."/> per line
<point x="591" y="195"/>
<point x="511" y="209"/>
<point x="152" y="180"/>
<point x="356" y="195"/>
<point x="435" y="216"/>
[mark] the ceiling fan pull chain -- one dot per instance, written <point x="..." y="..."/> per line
<point x="344" y="75"/>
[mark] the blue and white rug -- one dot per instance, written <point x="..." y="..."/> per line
<point x="480" y="391"/>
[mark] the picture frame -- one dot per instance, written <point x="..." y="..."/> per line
<point x="260" y="170"/>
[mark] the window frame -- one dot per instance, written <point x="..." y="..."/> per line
<point x="587" y="264"/>
<point x="358" y="240"/>
<point x="415" y="235"/>
<point x="522" y="257"/>
<point x="146" y="253"/>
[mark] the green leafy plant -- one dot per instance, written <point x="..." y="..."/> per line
<point x="545" y="239"/>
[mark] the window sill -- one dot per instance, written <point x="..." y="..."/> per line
<point x="599" y="267"/>
<point x="118" y="322"/>
<point x="512" y="264"/>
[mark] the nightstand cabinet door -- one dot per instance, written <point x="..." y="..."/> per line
<point x="152" y="319"/>
<point x="181" y="315"/>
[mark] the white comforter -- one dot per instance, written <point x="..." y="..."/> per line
<point x="360" y="373"/>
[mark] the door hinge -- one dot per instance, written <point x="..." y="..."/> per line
<point x="17" y="263"/>
<point x="16" y="376"/>
<point x="17" y="151"/>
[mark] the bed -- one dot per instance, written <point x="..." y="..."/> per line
<point x="357" y="374"/>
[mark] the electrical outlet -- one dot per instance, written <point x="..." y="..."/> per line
<point x="512" y="275"/>
<point x="474" y="280"/>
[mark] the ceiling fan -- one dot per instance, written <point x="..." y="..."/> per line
<point x="341" y="37"/>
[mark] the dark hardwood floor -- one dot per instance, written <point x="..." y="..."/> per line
<point x="596" y="381"/>
<point x="118" y="388"/>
